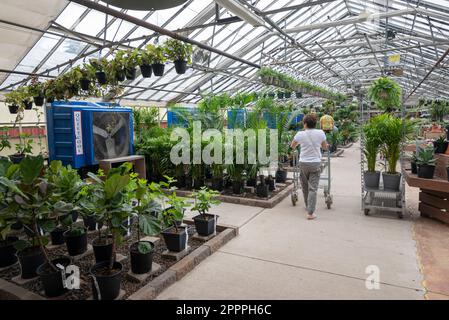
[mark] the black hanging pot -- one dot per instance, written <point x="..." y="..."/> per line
<point x="38" y="101"/>
<point x="372" y="179"/>
<point x="262" y="190"/>
<point x="13" y="109"/>
<point x="91" y="223"/>
<point x="76" y="243"/>
<point x="141" y="263"/>
<point x="57" y="236"/>
<point x="414" y="167"/>
<point x="146" y="70"/>
<point x="131" y="73"/>
<point x="298" y="94"/>
<point x="271" y="95"/>
<point x="158" y="69"/>
<point x="237" y="187"/>
<point x="180" y="66"/>
<point x="426" y="171"/>
<point x="52" y="279"/>
<point x="106" y="282"/>
<point x="8" y="252"/>
<point x="85" y="84"/>
<point x="28" y="105"/>
<point x="175" y="241"/>
<point x="30" y="259"/>
<point x="101" y="77"/>
<point x="205" y="224"/>
<point x="281" y="176"/>
<point x="16" y="158"/>
<point x="120" y="75"/>
<point x="288" y="95"/>
<point x="102" y="249"/>
<point x="281" y="95"/>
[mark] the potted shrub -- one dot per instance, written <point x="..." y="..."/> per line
<point x="100" y="66"/>
<point x="130" y="64"/>
<point x="236" y="172"/>
<point x="145" y="60"/>
<point x="386" y="94"/>
<point x="158" y="57"/>
<point x="24" y="147"/>
<point x="372" y="145"/>
<point x="175" y="236"/>
<point x="205" y="223"/>
<point x="15" y="100"/>
<point x="425" y="159"/>
<point x="36" y="91"/>
<point x="50" y="91"/>
<point x="180" y="53"/>
<point x="262" y="188"/>
<point x="217" y="177"/>
<point x="147" y="210"/>
<point x="86" y="75"/>
<point x="111" y="207"/>
<point x="440" y="145"/>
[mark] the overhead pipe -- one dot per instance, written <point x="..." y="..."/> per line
<point x="160" y="30"/>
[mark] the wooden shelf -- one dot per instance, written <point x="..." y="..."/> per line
<point x="435" y="184"/>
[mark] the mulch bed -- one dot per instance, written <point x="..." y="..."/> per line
<point x="84" y="264"/>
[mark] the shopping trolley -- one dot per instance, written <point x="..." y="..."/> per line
<point x="325" y="178"/>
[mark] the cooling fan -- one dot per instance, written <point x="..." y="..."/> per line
<point x="110" y="135"/>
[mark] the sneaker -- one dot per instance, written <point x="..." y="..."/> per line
<point x="311" y="216"/>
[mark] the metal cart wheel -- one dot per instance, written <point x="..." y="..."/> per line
<point x="329" y="202"/>
<point x="400" y="215"/>
<point x="366" y="212"/>
<point x="294" y="197"/>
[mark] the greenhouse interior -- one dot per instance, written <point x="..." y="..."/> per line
<point x="224" y="150"/>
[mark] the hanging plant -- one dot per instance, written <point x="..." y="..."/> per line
<point x="156" y="55"/>
<point x="36" y="91"/>
<point x="180" y="53"/>
<point x="100" y="66"/>
<point x="386" y="94"/>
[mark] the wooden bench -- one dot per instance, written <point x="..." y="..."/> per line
<point x="137" y="161"/>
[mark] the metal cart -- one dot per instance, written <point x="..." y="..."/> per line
<point x="325" y="178"/>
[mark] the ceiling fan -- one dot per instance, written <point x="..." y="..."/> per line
<point x="145" y="4"/>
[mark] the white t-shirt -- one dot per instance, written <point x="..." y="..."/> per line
<point x="310" y="141"/>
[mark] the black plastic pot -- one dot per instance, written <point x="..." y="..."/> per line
<point x="392" y="182"/>
<point x="237" y="187"/>
<point x="146" y="70"/>
<point x="158" y="69"/>
<point x="108" y="285"/>
<point x="440" y="147"/>
<point x="141" y="263"/>
<point x="50" y="99"/>
<point x="271" y="95"/>
<point x="372" y="179"/>
<point x="57" y="236"/>
<point x="17" y="226"/>
<point x="85" y="84"/>
<point x="75" y="216"/>
<point x="262" y="191"/>
<point x="288" y="95"/>
<point x="175" y="242"/>
<point x="271" y="183"/>
<point x="180" y="66"/>
<point x="51" y="279"/>
<point x="447" y="170"/>
<point x="13" y="109"/>
<point x="205" y="226"/>
<point x="38" y="101"/>
<point x="101" y="77"/>
<point x="16" y="158"/>
<point x="281" y="95"/>
<point x="30" y="259"/>
<point x="298" y="94"/>
<point x="414" y="167"/>
<point x="181" y="182"/>
<point x="198" y="184"/>
<point x="8" y="252"/>
<point x="281" y="176"/>
<point x="120" y="75"/>
<point x="251" y="182"/>
<point x="91" y="223"/>
<point x="131" y="74"/>
<point x="217" y="184"/>
<point x="28" y="105"/>
<point x="76" y="244"/>
<point x="426" y="171"/>
<point x="102" y="249"/>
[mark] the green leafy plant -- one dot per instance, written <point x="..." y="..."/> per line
<point x="25" y="145"/>
<point x="18" y="97"/>
<point x="386" y="94"/>
<point x="175" y="212"/>
<point x="154" y="54"/>
<point x="204" y="199"/>
<point x="36" y="88"/>
<point x="4" y="139"/>
<point x="426" y="156"/>
<point x="438" y="110"/>
<point x="373" y="143"/>
<point x="178" y="50"/>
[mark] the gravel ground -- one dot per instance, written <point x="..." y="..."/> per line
<point x="84" y="264"/>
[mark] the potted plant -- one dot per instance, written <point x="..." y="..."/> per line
<point x="385" y="93"/>
<point x="262" y="188"/>
<point x="100" y="66"/>
<point x="36" y="91"/>
<point x="180" y="53"/>
<point x="4" y="139"/>
<point x="371" y="151"/>
<point x="205" y="223"/>
<point x="130" y="64"/>
<point x="440" y="145"/>
<point x="147" y="210"/>
<point x="426" y="162"/>
<point x="24" y="147"/>
<point x="15" y="100"/>
<point x="145" y="60"/>
<point x="175" y="236"/>
<point x="158" y="57"/>
<point x="86" y="75"/>
<point x="111" y="207"/>
<point x="413" y="163"/>
<point x="217" y="177"/>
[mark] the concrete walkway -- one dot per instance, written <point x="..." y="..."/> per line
<point x="281" y="255"/>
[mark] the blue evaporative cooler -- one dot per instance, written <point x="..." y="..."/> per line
<point x="81" y="134"/>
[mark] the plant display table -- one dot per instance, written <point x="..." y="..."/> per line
<point x="137" y="161"/>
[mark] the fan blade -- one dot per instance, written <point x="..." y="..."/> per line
<point x="100" y="132"/>
<point x="110" y="147"/>
<point x="117" y="128"/>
